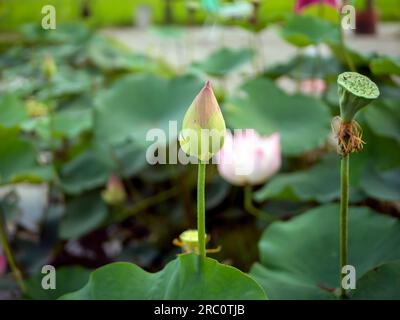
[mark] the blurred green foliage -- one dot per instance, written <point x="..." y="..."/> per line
<point x="14" y="13"/>
<point x="73" y="130"/>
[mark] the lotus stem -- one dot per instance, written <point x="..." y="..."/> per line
<point x="201" y="215"/>
<point x="344" y="208"/>
<point x="9" y="253"/>
<point x="250" y="208"/>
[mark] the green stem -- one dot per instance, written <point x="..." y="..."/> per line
<point x="344" y="207"/>
<point x="250" y="208"/>
<point x="201" y="214"/>
<point x="9" y="254"/>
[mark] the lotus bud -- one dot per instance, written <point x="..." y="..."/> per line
<point x="115" y="193"/>
<point x="355" y="92"/>
<point x="203" y="127"/>
<point x="49" y="67"/>
<point x="36" y="109"/>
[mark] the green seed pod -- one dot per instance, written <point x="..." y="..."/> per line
<point x="203" y="127"/>
<point x="355" y="92"/>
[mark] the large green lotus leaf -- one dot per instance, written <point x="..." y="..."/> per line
<point x="138" y="103"/>
<point x="108" y="55"/>
<point x="60" y="53"/>
<point x="68" y="279"/>
<point x="385" y="65"/>
<point x="21" y="79"/>
<point x="320" y="183"/>
<point x="86" y="171"/>
<point x="384" y="119"/>
<point x="91" y="168"/>
<point x="224" y="61"/>
<point x="182" y="278"/>
<point x="67" y="81"/>
<point x="305" y="67"/>
<point x="70" y="123"/>
<point x="375" y="152"/>
<point x="381" y="283"/>
<point x="300" y="257"/>
<point x="83" y="214"/>
<point x="389" y="93"/>
<point x="130" y="158"/>
<point x="381" y="185"/>
<point x="18" y="159"/>
<point x="12" y="111"/>
<point x="302" y="121"/>
<point x="301" y="31"/>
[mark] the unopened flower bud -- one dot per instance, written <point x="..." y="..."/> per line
<point x="203" y="127"/>
<point x="36" y="109"/>
<point x="49" y="67"/>
<point x="115" y="193"/>
<point x="355" y="92"/>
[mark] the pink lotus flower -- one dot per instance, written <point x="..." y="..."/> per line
<point x="249" y="159"/>
<point x="313" y="86"/>
<point x="302" y="4"/>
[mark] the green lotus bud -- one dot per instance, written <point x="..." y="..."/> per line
<point x="49" y="67"/>
<point x="355" y="92"/>
<point x="203" y="127"/>
<point x="115" y="193"/>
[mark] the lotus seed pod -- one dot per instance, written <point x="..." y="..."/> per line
<point x="355" y="92"/>
<point x="203" y="127"/>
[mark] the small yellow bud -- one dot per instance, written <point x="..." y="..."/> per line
<point x="115" y="193"/>
<point x="36" y="109"/>
<point x="49" y="67"/>
<point x="189" y="242"/>
<point x="203" y="127"/>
